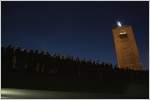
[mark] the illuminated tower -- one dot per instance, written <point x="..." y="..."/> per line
<point x="126" y="48"/>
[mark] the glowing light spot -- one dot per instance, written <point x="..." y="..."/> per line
<point x="122" y="33"/>
<point x="119" y="23"/>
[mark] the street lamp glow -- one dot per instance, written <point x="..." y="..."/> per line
<point x="119" y="23"/>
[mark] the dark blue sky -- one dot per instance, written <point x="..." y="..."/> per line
<point x="82" y="29"/>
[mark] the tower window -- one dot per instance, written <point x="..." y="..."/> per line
<point x="123" y="35"/>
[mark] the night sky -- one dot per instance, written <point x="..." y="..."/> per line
<point x="79" y="29"/>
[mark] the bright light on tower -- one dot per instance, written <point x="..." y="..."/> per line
<point x="119" y="23"/>
<point x="123" y="33"/>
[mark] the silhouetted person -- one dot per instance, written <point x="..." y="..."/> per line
<point x="13" y="60"/>
<point x="47" y="58"/>
<point x="3" y="60"/>
<point x="8" y="48"/>
<point x="25" y="59"/>
<point x="36" y="61"/>
<point x="9" y="57"/>
<point x="19" y="61"/>
<point x="30" y="61"/>
<point x="41" y="61"/>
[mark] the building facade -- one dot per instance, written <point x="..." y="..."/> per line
<point x="126" y="48"/>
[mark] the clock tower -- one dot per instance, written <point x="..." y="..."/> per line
<point x="126" y="47"/>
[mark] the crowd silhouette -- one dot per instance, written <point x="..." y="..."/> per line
<point x="39" y="70"/>
<point x="16" y="59"/>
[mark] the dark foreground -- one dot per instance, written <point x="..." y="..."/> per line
<point x="10" y="93"/>
<point x="22" y="85"/>
<point x="39" y="75"/>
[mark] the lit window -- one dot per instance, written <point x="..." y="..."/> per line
<point x="123" y="33"/>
